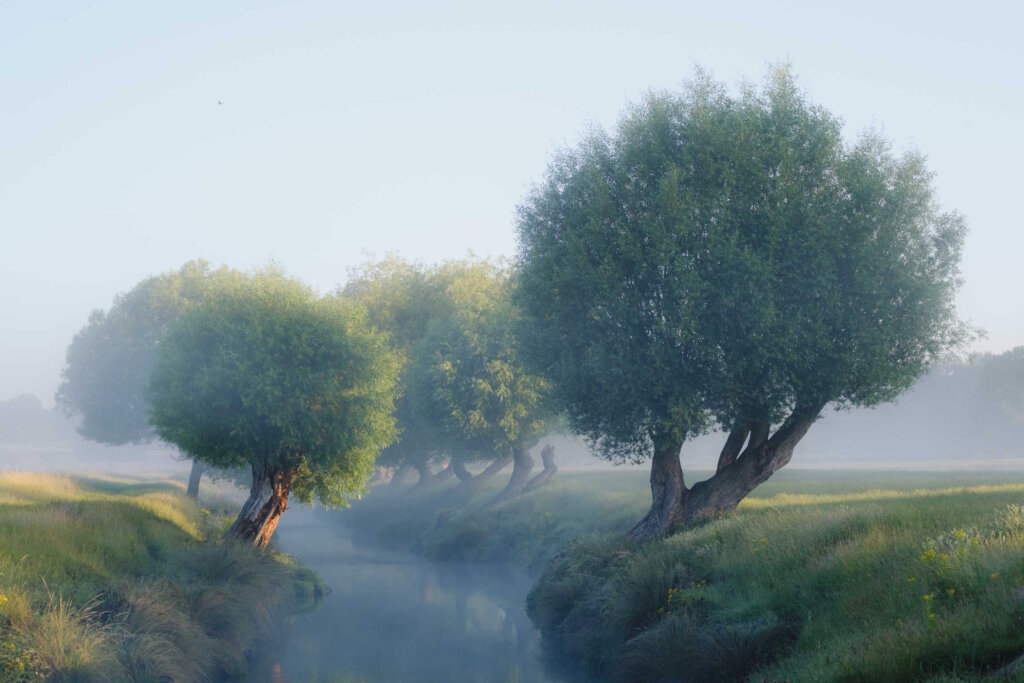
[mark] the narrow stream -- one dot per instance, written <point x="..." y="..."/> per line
<point x="392" y="616"/>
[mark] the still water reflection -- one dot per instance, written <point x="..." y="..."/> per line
<point x="392" y="616"/>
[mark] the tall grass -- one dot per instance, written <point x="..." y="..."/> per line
<point x="106" y="580"/>
<point x="901" y="585"/>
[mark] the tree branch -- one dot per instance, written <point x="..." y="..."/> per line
<point x="733" y="445"/>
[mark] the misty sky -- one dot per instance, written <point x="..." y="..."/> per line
<point x="348" y="130"/>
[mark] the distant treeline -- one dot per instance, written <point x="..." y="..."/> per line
<point x="36" y="438"/>
<point x="963" y="410"/>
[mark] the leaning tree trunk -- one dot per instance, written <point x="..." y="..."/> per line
<point x="474" y="482"/>
<point x="447" y="472"/>
<point x="194" y="476"/>
<point x="547" y="457"/>
<point x="674" y="506"/>
<point x="268" y="499"/>
<point x="522" y="464"/>
<point x="459" y="470"/>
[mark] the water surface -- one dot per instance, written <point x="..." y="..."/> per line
<point x="392" y="616"/>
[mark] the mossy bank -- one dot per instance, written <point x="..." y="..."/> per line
<point x="122" y="580"/>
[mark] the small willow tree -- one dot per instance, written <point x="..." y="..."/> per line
<point x="729" y="260"/>
<point x="109" y="360"/>
<point x="266" y="374"/>
<point x="469" y="374"/>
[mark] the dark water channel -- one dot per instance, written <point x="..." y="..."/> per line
<point x="392" y="616"/>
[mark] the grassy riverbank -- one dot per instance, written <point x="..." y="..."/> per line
<point x="109" y="580"/>
<point x="866" y="576"/>
<point x="443" y="522"/>
<point x="875" y="585"/>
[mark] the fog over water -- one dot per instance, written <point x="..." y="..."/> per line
<point x="417" y="620"/>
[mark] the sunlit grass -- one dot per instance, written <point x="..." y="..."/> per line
<point x="878" y="584"/>
<point x="122" y="580"/>
<point x="790" y="499"/>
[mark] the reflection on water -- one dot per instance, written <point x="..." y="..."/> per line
<point x="393" y="617"/>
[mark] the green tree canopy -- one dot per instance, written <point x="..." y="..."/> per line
<point x="465" y="395"/>
<point x="400" y="299"/>
<point x="469" y="374"/>
<point x="267" y="374"/>
<point x="109" y="360"/>
<point x="729" y="260"/>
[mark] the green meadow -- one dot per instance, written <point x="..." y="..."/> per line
<point x="120" y="580"/>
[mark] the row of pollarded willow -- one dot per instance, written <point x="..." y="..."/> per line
<point x="466" y="395"/>
<point x="728" y="260"/>
<point x="251" y="374"/>
<point x="719" y="260"/>
<point x="255" y="373"/>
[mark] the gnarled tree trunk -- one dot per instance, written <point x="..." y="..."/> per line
<point x="674" y="506"/>
<point x="733" y="445"/>
<point x="194" y="476"/>
<point x="460" y="471"/>
<point x="382" y="474"/>
<point x="401" y="476"/>
<point x="547" y="457"/>
<point x="427" y="478"/>
<point x="522" y="465"/>
<point x="668" y="490"/>
<point x="268" y="499"/>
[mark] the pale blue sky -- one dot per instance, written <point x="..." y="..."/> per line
<point x="352" y="129"/>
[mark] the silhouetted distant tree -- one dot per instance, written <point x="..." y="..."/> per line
<point x="109" y="360"/>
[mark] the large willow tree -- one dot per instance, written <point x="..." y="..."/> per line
<point x="264" y="373"/>
<point x="729" y="260"/>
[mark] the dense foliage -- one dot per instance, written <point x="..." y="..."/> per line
<point x="469" y="369"/>
<point x="466" y="395"/>
<point x="400" y="298"/>
<point x="265" y="373"/>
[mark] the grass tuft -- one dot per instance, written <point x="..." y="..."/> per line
<point x="143" y="596"/>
